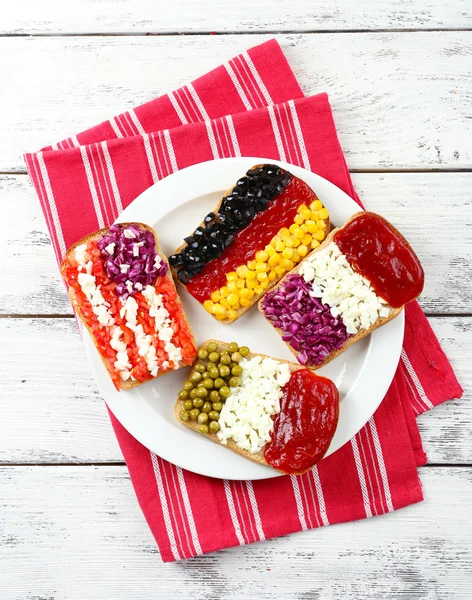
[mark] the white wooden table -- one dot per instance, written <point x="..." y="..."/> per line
<point x="400" y="80"/>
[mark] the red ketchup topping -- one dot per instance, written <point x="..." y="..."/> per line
<point x="306" y="423"/>
<point x="280" y="212"/>
<point x="378" y="252"/>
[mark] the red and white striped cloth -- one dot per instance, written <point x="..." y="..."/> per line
<point x="250" y="106"/>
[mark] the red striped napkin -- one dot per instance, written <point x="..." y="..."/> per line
<point x="250" y="106"/>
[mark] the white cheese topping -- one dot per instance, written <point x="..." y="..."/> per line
<point x="143" y="340"/>
<point x="129" y="234"/>
<point x="246" y="415"/>
<point x="110" y="248"/>
<point x="347" y="293"/>
<point x="122" y="364"/>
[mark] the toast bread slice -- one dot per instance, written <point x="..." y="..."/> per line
<point x="257" y="457"/>
<point x="256" y="297"/>
<point x="360" y="334"/>
<point x="124" y="385"/>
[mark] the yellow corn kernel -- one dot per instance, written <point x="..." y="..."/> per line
<point x="315" y="215"/>
<point x="250" y="275"/>
<point x="251" y="295"/>
<point x="262" y="267"/>
<point x="251" y="265"/>
<point x="270" y="250"/>
<point x="244" y="293"/>
<point x="273" y="260"/>
<point x="305" y="213"/>
<point x="240" y="284"/>
<point x="280" y="271"/>
<point x="306" y="239"/>
<point x="245" y="302"/>
<point x="224" y="291"/>
<point x="251" y="283"/>
<point x="293" y="228"/>
<point x="296" y="256"/>
<point x="316" y="205"/>
<point x="295" y="241"/>
<point x="299" y="233"/>
<point x="231" y="315"/>
<point x="232" y="276"/>
<point x="224" y="303"/>
<point x="320" y="223"/>
<point x="264" y="284"/>
<point x="261" y="256"/>
<point x="275" y="239"/>
<point x="242" y="271"/>
<point x="284" y="232"/>
<point x="286" y="264"/>
<point x="232" y="287"/>
<point x="314" y="244"/>
<point x="323" y="213"/>
<point x="272" y="275"/>
<point x="298" y="219"/>
<point x="259" y="289"/>
<point x="221" y="317"/>
<point x="219" y="310"/>
<point x="208" y="306"/>
<point x="302" y="250"/>
<point x="287" y="253"/>
<point x="288" y="242"/>
<point x="302" y="207"/>
<point x="261" y="276"/>
<point x="232" y="299"/>
<point x="236" y="306"/>
<point x="280" y="246"/>
<point x="215" y="296"/>
<point x="319" y="235"/>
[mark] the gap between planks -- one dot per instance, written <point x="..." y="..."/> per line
<point x="356" y="171"/>
<point x="71" y="316"/>
<point x="123" y="464"/>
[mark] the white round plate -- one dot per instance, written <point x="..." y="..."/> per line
<point x="174" y="207"/>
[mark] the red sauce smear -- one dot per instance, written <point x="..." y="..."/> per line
<point x="378" y="252"/>
<point x="306" y="423"/>
<point x="280" y="212"/>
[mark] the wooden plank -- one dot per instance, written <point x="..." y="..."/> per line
<point x="439" y="201"/>
<point x="51" y="411"/>
<point x="127" y="16"/>
<point x="77" y="532"/>
<point x="400" y="100"/>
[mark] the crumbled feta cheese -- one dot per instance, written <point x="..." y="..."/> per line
<point x="347" y="293"/>
<point x="129" y="234"/>
<point x="124" y="268"/>
<point x="138" y="286"/>
<point x="96" y="299"/>
<point x="110" y="248"/>
<point x="246" y="417"/>
<point x="135" y="249"/>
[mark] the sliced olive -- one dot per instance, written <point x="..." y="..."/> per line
<point x="212" y="347"/>
<point x="214" y="416"/>
<point x="184" y="415"/>
<point x="207" y="406"/>
<point x="214" y="357"/>
<point x="200" y="368"/>
<point x="203" y="354"/>
<point x="202" y="418"/>
<point x="203" y="429"/>
<point x="214" y="426"/>
<point x="198" y="402"/>
<point x="188" y="385"/>
<point x="214" y="396"/>
<point x="233" y="347"/>
<point x="194" y="414"/>
<point x="183" y="394"/>
<point x="237" y="371"/>
<point x="188" y="405"/>
<point x="244" y="351"/>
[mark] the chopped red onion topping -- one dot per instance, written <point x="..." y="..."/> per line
<point x="306" y="323"/>
<point x="130" y="258"/>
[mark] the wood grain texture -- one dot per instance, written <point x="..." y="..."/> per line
<point x="147" y="16"/>
<point x="51" y="411"/>
<point x="76" y="533"/>
<point x="427" y="208"/>
<point x="400" y="100"/>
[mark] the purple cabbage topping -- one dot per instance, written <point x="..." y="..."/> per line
<point x="306" y="323"/>
<point x="130" y="258"/>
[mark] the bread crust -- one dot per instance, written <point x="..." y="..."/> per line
<point x="361" y="334"/>
<point x="257" y="457"/>
<point x="124" y="385"/>
<point x="256" y="297"/>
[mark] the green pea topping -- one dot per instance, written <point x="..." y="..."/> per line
<point x="203" y="429"/>
<point x="193" y="393"/>
<point x="233" y="347"/>
<point x="213" y="372"/>
<point x="183" y="394"/>
<point x="200" y="368"/>
<point x="202" y="418"/>
<point x="217" y="406"/>
<point x="244" y="351"/>
<point x="234" y="382"/>
<point x="184" y="415"/>
<point x="236" y="357"/>
<point x="225" y="359"/>
<point x="203" y="354"/>
<point x="224" y="352"/>
<point x="214" y="416"/>
<point x="188" y="385"/>
<point x="214" y="396"/>
<point x="195" y="377"/>
<point x="202" y="393"/>
<point x="232" y="364"/>
<point x="207" y="406"/>
<point x="237" y="371"/>
<point x="214" y="357"/>
<point x="214" y="426"/>
<point x="225" y="391"/>
<point x="205" y="374"/>
<point x="212" y="347"/>
<point x="198" y="402"/>
<point x="208" y="383"/>
<point x="188" y="405"/>
<point x="224" y="371"/>
<point x="194" y="414"/>
<point x="219" y="382"/>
